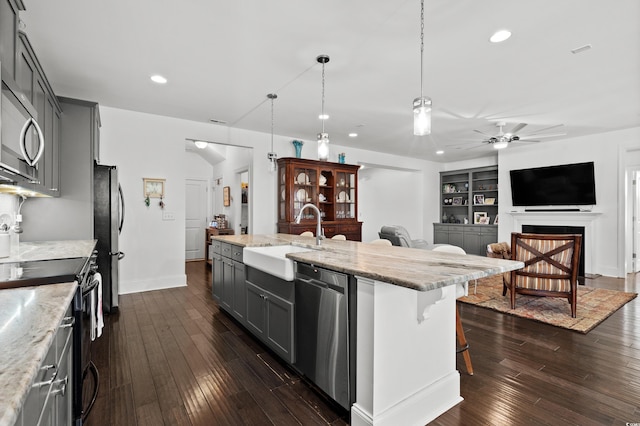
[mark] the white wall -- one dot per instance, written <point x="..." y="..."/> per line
<point x="603" y="150"/>
<point x="145" y="145"/>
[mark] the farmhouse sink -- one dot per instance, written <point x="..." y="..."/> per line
<point x="273" y="259"/>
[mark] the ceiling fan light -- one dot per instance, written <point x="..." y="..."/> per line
<point x="500" y="144"/>
<point x="422" y="116"/>
<point x="201" y="144"/>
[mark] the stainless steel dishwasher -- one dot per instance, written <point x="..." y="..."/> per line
<point x="322" y="330"/>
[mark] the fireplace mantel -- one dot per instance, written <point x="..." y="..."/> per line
<point x="563" y="218"/>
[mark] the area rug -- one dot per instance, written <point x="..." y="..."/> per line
<point x="594" y="304"/>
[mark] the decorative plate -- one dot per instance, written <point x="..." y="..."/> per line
<point x="343" y="197"/>
<point x="301" y="195"/>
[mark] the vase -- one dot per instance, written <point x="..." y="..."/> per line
<point x="298" y="146"/>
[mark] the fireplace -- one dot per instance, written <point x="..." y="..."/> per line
<point x="549" y="229"/>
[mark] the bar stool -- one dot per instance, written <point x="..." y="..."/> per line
<point x="461" y="290"/>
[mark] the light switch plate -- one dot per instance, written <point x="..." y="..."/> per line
<point x="168" y="216"/>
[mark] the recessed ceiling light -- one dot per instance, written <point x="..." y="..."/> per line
<point x="323" y="116"/>
<point x="157" y="78"/>
<point x="581" y="49"/>
<point x="353" y="135"/>
<point x="440" y="152"/>
<point x="500" y="36"/>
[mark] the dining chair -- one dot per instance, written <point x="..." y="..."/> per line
<point x="462" y="289"/>
<point x="339" y="237"/>
<point x="307" y="234"/>
<point x="381" y="242"/>
<point x="550" y="266"/>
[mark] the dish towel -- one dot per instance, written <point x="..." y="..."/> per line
<point x="97" y="318"/>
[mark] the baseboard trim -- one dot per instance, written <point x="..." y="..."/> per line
<point x="160" y="283"/>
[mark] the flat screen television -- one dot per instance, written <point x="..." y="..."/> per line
<point x="563" y="185"/>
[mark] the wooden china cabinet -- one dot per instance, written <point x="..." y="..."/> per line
<point x="332" y="187"/>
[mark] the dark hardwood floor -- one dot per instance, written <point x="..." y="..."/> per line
<point x="171" y="357"/>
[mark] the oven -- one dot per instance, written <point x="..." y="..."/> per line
<point x="86" y="305"/>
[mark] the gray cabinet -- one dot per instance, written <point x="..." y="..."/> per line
<point x="49" y="402"/>
<point x="270" y="312"/>
<point x="228" y="286"/>
<point x="9" y="10"/>
<point x="472" y="238"/>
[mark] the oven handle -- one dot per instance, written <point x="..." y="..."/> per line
<point x="90" y="287"/>
<point x="120" y="254"/>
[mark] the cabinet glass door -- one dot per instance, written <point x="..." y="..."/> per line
<point x="305" y="181"/>
<point x="345" y="195"/>
<point x="326" y="204"/>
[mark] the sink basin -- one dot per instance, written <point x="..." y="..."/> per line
<point x="272" y="259"/>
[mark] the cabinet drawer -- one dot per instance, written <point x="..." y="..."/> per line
<point x="236" y="253"/>
<point x="225" y="249"/>
<point x="64" y="332"/>
<point x="216" y="246"/>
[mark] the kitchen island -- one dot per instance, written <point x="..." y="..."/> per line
<point x="405" y="350"/>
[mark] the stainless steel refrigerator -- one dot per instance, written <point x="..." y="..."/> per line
<point x="108" y="218"/>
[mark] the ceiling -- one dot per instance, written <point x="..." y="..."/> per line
<point x="221" y="59"/>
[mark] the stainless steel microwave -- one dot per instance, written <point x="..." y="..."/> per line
<point x="21" y="138"/>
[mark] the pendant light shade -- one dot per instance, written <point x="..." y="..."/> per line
<point x="323" y="146"/>
<point x="422" y="104"/>
<point x="422" y="116"/>
<point x="323" y="138"/>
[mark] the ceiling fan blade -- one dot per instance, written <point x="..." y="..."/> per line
<point x="545" y="129"/>
<point x="483" y="133"/>
<point x="518" y="127"/>
<point x="553" y="135"/>
<point x="526" y="140"/>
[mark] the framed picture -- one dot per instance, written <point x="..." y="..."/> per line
<point x="495" y="221"/>
<point x="489" y="201"/>
<point x="484" y="220"/>
<point x="457" y="201"/>
<point x="226" y="196"/>
<point x="478" y="199"/>
<point x="153" y="188"/>
<point x="479" y="215"/>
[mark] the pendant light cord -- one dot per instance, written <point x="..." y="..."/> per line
<point x="322" y="106"/>
<point x="421" y="45"/>
<point x="272" y="97"/>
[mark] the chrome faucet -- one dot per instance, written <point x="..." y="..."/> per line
<point x="318" y="226"/>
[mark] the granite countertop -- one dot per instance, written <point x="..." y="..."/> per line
<point x="49" y="250"/>
<point x="29" y="318"/>
<point x="416" y="269"/>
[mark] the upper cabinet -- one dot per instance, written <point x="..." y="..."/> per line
<point x="9" y="10"/>
<point x="30" y="123"/>
<point x="331" y="187"/>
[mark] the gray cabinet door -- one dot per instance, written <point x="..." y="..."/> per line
<point x="488" y="236"/>
<point x="472" y="241"/>
<point x="239" y="292"/>
<point x="227" y="285"/>
<point x="456" y="237"/>
<point x="279" y="331"/>
<point x="216" y="277"/>
<point x="440" y="234"/>
<point x="255" y="317"/>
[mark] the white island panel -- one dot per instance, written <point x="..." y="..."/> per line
<point x="406" y="356"/>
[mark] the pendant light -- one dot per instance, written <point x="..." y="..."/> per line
<point x="272" y="156"/>
<point x="421" y="105"/>
<point x="323" y="138"/>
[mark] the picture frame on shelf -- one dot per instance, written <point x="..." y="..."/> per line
<point x="478" y="199"/>
<point x="489" y="201"/>
<point x="495" y="221"/>
<point x="479" y="215"/>
<point x="457" y="201"/>
<point x="486" y="220"/>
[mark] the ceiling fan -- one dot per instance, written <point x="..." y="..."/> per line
<point x="502" y="140"/>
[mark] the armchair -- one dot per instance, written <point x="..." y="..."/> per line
<point x="399" y="236"/>
<point x="550" y="266"/>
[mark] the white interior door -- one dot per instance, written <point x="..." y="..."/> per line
<point x="195" y="218"/>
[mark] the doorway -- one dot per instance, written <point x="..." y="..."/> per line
<point x="195" y="218"/>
